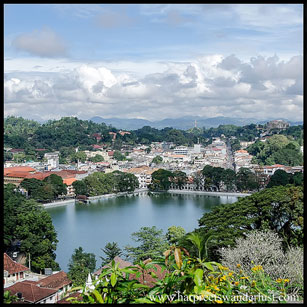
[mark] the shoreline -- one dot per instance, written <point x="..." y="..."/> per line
<point x="93" y="199"/>
<point x="107" y="196"/>
<point x="237" y="194"/>
<point x="59" y="203"/>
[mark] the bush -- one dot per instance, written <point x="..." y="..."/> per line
<point x="264" y="248"/>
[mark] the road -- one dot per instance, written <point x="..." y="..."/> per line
<point x="230" y="159"/>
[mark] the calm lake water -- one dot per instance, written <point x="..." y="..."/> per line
<point x="115" y="219"/>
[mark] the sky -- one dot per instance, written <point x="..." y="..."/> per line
<point x="153" y="61"/>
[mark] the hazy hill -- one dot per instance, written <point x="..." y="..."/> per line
<point x="184" y="123"/>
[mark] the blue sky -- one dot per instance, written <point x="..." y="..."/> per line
<point x="143" y="60"/>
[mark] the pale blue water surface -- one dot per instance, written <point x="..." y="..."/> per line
<point x="114" y="220"/>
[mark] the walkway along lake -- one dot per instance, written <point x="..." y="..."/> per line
<point x="115" y="219"/>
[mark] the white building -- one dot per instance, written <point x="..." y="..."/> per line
<point x="181" y="150"/>
<point x="143" y="174"/>
<point x="52" y="159"/>
<point x="197" y="148"/>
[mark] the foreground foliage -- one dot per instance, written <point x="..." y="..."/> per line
<point x="187" y="280"/>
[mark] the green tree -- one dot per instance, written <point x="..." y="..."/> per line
<point x="246" y="180"/>
<point x="27" y="222"/>
<point x="161" y="180"/>
<point x="111" y="250"/>
<point x="34" y="188"/>
<point x="157" y="160"/>
<point x="125" y="181"/>
<point x="80" y="264"/>
<point x="229" y="179"/>
<point x="179" y="178"/>
<point x="97" y="158"/>
<point x="297" y="179"/>
<point x="280" y="177"/>
<point x="174" y="234"/>
<point x="152" y="244"/>
<point x="8" y="298"/>
<point x="118" y="156"/>
<point x="80" y="187"/>
<point x="279" y="208"/>
<point x="57" y="184"/>
<point x="78" y="156"/>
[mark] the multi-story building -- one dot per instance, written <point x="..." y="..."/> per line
<point x="52" y="159"/>
<point x="181" y="150"/>
<point x="242" y="159"/>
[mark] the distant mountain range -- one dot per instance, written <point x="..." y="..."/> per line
<point x="183" y="123"/>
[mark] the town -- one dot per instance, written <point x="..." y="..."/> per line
<point x="143" y="160"/>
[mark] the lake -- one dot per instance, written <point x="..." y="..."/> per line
<point x="115" y="219"/>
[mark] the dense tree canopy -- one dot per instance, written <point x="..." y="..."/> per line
<point x="28" y="222"/>
<point x="48" y="189"/>
<point x="278" y="149"/>
<point x="100" y="183"/>
<point x="161" y="180"/>
<point x="71" y="132"/>
<point x="279" y="208"/>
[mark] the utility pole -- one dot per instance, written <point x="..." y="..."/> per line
<point x="29" y="262"/>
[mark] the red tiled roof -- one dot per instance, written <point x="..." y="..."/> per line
<point x="55" y="281"/>
<point x="30" y="291"/>
<point x="69" y="181"/>
<point x="39" y="176"/>
<point x="18" y="169"/>
<point x="17" y="174"/>
<point x="97" y="146"/>
<point x="12" y="266"/>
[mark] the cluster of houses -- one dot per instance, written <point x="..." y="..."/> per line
<point x="33" y="288"/>
<point x="139" y="161"/>
<point x="54" y="287"/>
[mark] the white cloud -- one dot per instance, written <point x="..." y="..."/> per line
<point x="207" y="86"/>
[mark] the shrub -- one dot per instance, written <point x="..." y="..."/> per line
<point x="264" y="248"/>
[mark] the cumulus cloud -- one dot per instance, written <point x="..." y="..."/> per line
<point x="44" y="43"/>
<point x="207" y="86"/>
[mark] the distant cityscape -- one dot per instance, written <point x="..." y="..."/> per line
<point x="140" y="160"/>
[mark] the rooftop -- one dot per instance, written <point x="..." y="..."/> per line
<point x="11" y="266"/>
<point x="55" y="281"/>
<point x="14" y="169"/>
<point x="30" y="291"/>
